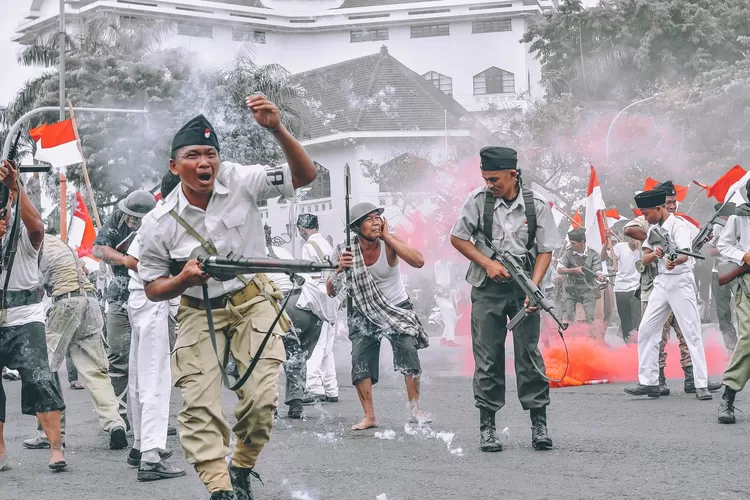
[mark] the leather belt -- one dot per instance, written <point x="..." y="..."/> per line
<point x="69" y="295"/>
<point x="237" y="298"/>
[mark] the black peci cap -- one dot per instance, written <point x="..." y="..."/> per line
<point x="196" y="132"/>
<point x="498" y="158"/>
<point x="650" y="199"/>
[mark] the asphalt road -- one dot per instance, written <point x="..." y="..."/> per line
<point x="607" y="445"/>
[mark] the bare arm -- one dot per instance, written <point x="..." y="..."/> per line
<point x="109" y="255"/>
<point x="397" y="248"/>
<point x="636" y="233"/>
<point x="471" y="252"/>
<point x="540" y="268"/>
<point x="30" y="216"/>
<point x="167" y="288"/>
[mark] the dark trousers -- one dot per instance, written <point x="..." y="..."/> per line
<point x="629" y="309"/>
<point x="491" y="308"/>
<point x="722" y="299"/>
<point x="299" y="345"/>
<point x="71" y="368"/>
<point x="118" y="354"/>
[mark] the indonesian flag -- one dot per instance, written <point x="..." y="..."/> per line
<point x="595" y="208"/>
<point x="613" y="216"/>
<point x="738" y="188"/>
<point x="56" y="144"/>
<point x="680" y="191"/>
<point x="576" y="220"/>
<point x="720" y="188"/>
<point x="81" y="233"/>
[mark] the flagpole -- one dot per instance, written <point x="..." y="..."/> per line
<point x="83" y="164"/>
<point x="572" y="221"/>
<point x="63" y="208"/>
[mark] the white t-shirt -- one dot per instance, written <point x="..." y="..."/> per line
<point x="628" y="278"/>
<point x="24" y="276"/>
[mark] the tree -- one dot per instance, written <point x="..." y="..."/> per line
<point x="112" y="65"/>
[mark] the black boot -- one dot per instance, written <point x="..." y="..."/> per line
<point x="223" y="495"/>
<point x="726" y="408"/>
<point x="689" y="380"/>
<point x="540" y="440"/>
<point x="488" y="440"/>
<point x="663" y="389"/>
<point x="651" y="391"/>
<point x="295" y="409"/>
<point x="240" y="477"/>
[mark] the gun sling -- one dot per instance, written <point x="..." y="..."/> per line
<point x="252" y="289"/>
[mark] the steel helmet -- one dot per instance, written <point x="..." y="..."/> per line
<point x="362" y="210"/>
<point x="138" y="203"/>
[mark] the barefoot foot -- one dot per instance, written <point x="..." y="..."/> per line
<point x="366" y="423"/>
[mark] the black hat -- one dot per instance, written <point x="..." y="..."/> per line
<point x="497" y="158"/>
<point x="196" y="132"/>
<point x="307" y="221"/>
<point x="650" y="199"/>
<point x="578" y="234"/>
<point x="667" y="187"/>
<point x="727" y="210"/>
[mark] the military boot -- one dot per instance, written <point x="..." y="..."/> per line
<point x="726" y="408"/>
<point x="488" y="440"/>
<point x="689" y="380"/>
<point x="240" y="477"/>
<point x="540" y="440"/>
<point x="651" y="391"/>
<point x="663" y="389"/>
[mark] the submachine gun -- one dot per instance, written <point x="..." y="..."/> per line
<point x="226" y="268"/>
<point x="660" y="237"/>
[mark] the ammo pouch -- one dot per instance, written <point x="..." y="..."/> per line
<point x="18" y="298"/>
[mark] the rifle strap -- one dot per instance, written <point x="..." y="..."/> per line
<point x="9" y="254"/>
<point x="529" y="209"/>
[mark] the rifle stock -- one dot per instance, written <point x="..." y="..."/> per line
<point x="729" y="271"/>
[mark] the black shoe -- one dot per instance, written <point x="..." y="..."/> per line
<point x="171" y="430"/>
<point x="714" y="386"/>
<point x="663" y="388"/>
<point x="295" y="409"/>
<point x="117" y="439"/>
<point x="651" y="391"/>
<point x="689" y="380"/>
<point x="703" y="394"/>
<point x="223" y="495"/>
<point x="726" y="408"/>
<point x="148" y="471"/>
<point x="488" y="440"/>
<point x="311" y="399"/>
<point x="540" y="440"/>
<point x="332" y="399"/>
<point x="240" y="477"/>
<point x="134" y="457"/>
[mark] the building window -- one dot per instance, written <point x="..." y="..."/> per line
<point x="428" y="30"/>
<point x="494" y="81"/>
<point x="321" y="186"/>
<point x="199" y="30"/>
<point x="244" y="35"/>
<point x="444" y="83"/>
<point x="490" y="26"/>
<point x="371" y="35"/>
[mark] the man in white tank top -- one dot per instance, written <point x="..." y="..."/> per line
<point x="382" y="252"/>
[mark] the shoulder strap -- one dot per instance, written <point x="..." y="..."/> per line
<point x="207" y="245"/>
<point x="528" y="201"/>
<point x="318" y="251"/>
<point x="488" y="214"/>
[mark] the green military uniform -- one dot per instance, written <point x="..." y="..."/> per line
<point x="578" y="288"/>
<point x="508" y="224"/>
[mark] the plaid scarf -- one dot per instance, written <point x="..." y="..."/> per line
<point x="371" y="302"/>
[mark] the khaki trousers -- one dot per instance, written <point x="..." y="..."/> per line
<point x="204" y="433"/>
<point x="738" y="371"/>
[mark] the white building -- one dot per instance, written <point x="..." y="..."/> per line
<point x="470" y="48"/>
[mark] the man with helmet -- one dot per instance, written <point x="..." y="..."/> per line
<point x="517" y="220"/>
<point x="111" y="246"/>
<point x="381" y="307"/>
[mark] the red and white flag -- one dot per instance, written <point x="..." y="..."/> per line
<point x="595" y="208"/>
<point x="56" y="144"/>
<point x="613" y="216"/>
<point x="81" y="233"/>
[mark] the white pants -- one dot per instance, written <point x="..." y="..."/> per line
<point x="149" y="372"/>
<point x="321" y="367"/>
<point x="448" y="313"/>
<point x="675" y="292"/>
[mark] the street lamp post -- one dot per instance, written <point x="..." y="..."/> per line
<point x="612" y="124"/>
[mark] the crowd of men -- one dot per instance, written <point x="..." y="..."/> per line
<point x="169" y="322"/>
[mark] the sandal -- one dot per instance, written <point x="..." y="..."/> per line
<point x="76" y="385"/>
<point x="58" y="466"/>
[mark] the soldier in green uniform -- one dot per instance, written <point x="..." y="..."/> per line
<point x="517" y="220"/>
<point x="581" y="267"/>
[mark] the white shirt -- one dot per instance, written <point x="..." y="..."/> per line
<point x="231" y="222"/>
<point x="734" y="242"/>
<point x="718" y="259"/>
<point x="314" y="295"/>
<point x="136" y="283"/>
<point x="24" y="276"/>
<point x="680" y="233"/>
<point x="628" y="278"/>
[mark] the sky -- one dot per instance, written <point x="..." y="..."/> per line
<point x="13" y="74"/>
